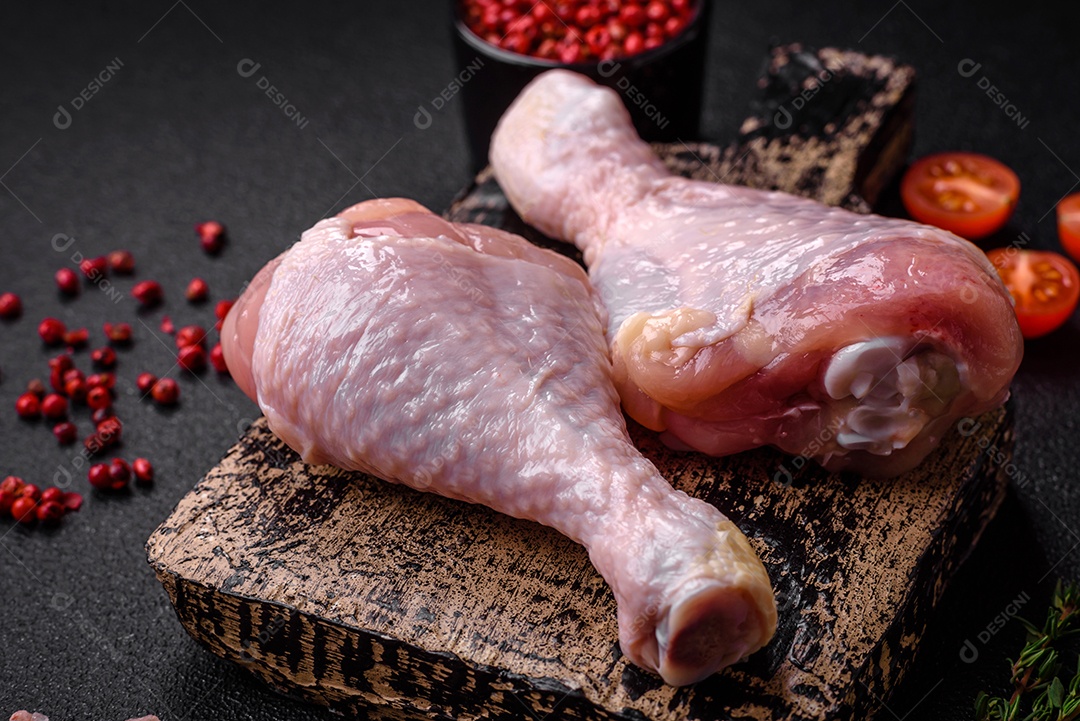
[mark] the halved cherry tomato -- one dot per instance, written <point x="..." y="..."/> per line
<point x="1045" y="286"/>
<point x="968" y="194"/>
<point x="1068" y="217"/>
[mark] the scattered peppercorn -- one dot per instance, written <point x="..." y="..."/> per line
<point x="117" y="333"/>
<point x="95" y="443"/>
<point x="167" y="325"/>
<point x="102" y="380"/>
<point x="192" y="358"/>
<point x="222" y="308"/>
<point x="145" y="382"/>
<point x="148" y="293"/>
<point x="109" y="431"/>
<point x="22" y="510"/>
<point x="52" y="331"/>
<point x="75" y="389"/>
<point x="144" y="472"/>
<point x="10" y="306"/>
<point x="67" y="281"/>
<point x="119" y="473"/>
<point x="36" y="387"/>
<point x="13" y="485"/>
<point x="54" y="406"/>
<point x="94" y="268"/>
<point x="74" y="385"/>
<point x="72" y="501"/>
<point x="166" y="392"/>
<point x="28" y="406"/>
<point x="98" y="398"/>
<point x="211" y="236"/>
<point x="65" y="433"/>
<point x="61" y="363"/>
<point x="98" y="475"/>
<point x="217" y="359"/>
<point x="59" y="366"/>
<point x="52" y="494"/>
<point x="10" y="489"/>
<point x="77" y="338"/>
<point x="50" y="512"/>
<point x="190" y="335"/>
<point x="197" y="291"/>
<point x="220" y="311"/>
<point x="104" y="357"/>
<point x="122" y="262"/>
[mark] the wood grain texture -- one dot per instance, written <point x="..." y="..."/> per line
<point x="380" y="601"/>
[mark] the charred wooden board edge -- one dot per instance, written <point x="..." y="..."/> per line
<point x="888" y="150"/>
<point x="974" y="508"/>
<point x="848" y="116"/>
<point x="198" y="605"/>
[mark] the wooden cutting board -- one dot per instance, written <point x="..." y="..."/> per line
<point x="382" y="602"/>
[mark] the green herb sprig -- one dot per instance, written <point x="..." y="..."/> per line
<point x="1034" y="674"/>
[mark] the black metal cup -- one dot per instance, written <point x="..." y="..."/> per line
<point x="661" y="87"/>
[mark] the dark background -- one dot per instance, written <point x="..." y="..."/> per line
<point x="178" y="136"/>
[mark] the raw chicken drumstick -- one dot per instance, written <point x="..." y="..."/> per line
<point x="462" y="360"/>
<point x="741" y="317"/>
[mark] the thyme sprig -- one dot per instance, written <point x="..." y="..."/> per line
<point x="1037" y="687"/>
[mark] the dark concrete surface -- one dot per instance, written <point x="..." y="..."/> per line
<point x="176" y="134"/>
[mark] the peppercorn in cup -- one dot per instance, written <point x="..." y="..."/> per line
<point x="652" y="53"/>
